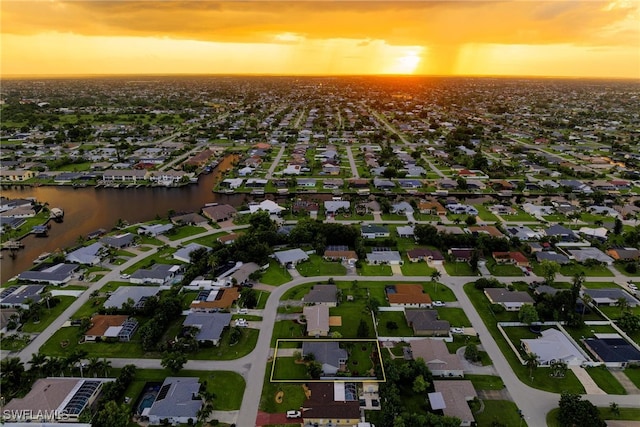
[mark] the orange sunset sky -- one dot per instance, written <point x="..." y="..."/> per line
<point x="534" y="38"/>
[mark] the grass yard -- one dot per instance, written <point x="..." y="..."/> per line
<point x="416" y="268"/>
<point x="184" y="231"/>
<point x="485" y="382"/>
<point x="292" y="395"/>
<point x="397" y="317"/>
<point x="163" y="256"/>
<point x="275" y="275"/>
<point x="634" y="375"/>
<point x="317" y="266"/>
<point x="209" y="240"/>
<point x="620" y="267"/>
<point x="455" y="316"/>
<point x="228" y="387"/>
<point x="352" y="312"/>
<point x="359" y="362"/>
<point x="374" y="270"/>
<point x="502" y="412"/>
<point x="605" y="380"/>
<point x="65" y="340"/>
<point x="287" y="329"/>
<point x="504" y="269"/>
<point x="541" y="379"/>
<point x="595" y="271"/>
<point x="286" y="368"/>
<point x="225" y="351"/>
<point x="459" y="269"/>
<point x="485" y="214"/>
<point x="14" y="342"/>
<point x="48" y="315"/>
<point x="629" y="414"/>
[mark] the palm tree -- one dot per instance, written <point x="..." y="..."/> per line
<point x="11" y="373"/>
<point x="586" y="300"/>
<point x="435" y="278"/>
<point x="623" y="304"/>
<point x="93" y="366"/>
<point x="531" y="360"/>
<point x="106" y="367"/>
<point x="37" y="362"/>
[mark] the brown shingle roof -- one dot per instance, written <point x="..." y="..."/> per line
<point x="409" y="294"/>
<point x="101" y="322"/>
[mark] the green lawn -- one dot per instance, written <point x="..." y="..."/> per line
<point x="225" y="351"/>
<point x="14" y="342"/>
<point x="374" y="270"/>
<point x="286" y="368"/>
<point x="485" y="382"/>
<point x="208" y="241"/>
<point x="317" y="266"/>
<point x="228" y="387"/>
<point x="541" y="379"/>
<point x="605" y="380"/>
<point x="485" y="214"/>
<point x="71" y="336"/>
<point x="385" y="317"/>
<point x="502" y="412"/>
<point x="630" y="414"/>
<point x="287" y="329"/>
<point x="519" y="216"/>
<point x="620" y="267"/>
<point x="416" y="268"/>
<point x="163" y="256"/>
<point x="48" y="315"/>
<point x="458" y="269"/>
<point x="275" y="275"/>
<point x="184" y="231"/>
<point x="595" y="271"/>
<point x="455" y="316"/>
<point x="298" y="292"/>
<point x="634" y="375"/>
<point x="504" y="269"/>
<point x="292" y="395"/>
<point x="352" y="312"/>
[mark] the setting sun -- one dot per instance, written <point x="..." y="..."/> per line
<point x="599" y="39"/>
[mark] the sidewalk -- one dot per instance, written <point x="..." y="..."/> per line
<point x="590" y="386"/>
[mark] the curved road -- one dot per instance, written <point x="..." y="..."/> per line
<point x="534" y="403"/>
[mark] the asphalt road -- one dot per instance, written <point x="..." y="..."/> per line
<point x="534" y="403"/>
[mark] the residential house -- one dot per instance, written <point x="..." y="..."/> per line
<point x="402" y="208"/>
<point x="291" y="257"/>
<point x="453" y="397"/>
<point x="243" y="274"/>
<point x="266" y="205"/>
<point x="437" y="357"/>
<point x="502" y="210"/>
<point x="384" y="256"/>
<point x="611" y="349"/>
<point x="624" y="254"/>
<point x="536" y="210"/>
<point x="322" y="294"/>
<point x="122" y="175"/>
<point x="317" y="318"/>
<point x="53" y="275"/>
<point x="553" y="346"/>
<point x="426" y="323"/>
<point x="459" y="208"/>
<point x="87" y="255"/>
<point x="157" y="273"/>
<point x="552" y="256"/>
<point x="406" y="231"/>
<point x="324" y="407"/>
<point x="17" y="175"/>
<point x="584" y="254"/>
<point x="491" y="230"/>
<point x="524" y="233"/>
<point x="210" y="325"/>
<point x="212" y="299"/>
<point x="177" y="402"/>
<point x="610" y="297"/>
<point x="513" y="257"/>
<point x="189" y="219"/>
<point x="219" y="213"/>
<point x="228" y="239"/>
<point x="372" y="231"/>
<point x="63" y="399"/>
<point x="136" y="295"/>
<point x="431" y="256"/>
<point x="340" y="253"/>
<point x="305" y="206"/>
<point x="154" y="229"/>
<point x="120" y="241"/>
<point x="461" y="254"/>
<point x="21" y="296"/>
<point x="599" y="233"/>
<point x="333" y="207"/>
<point x="383" y="184"/>
<point x="563" y="234"/>
<point x="111" y="327"/>
<point x="406" y="295"/>
<point x="510" y="300"/>
<point x="184" y="254"/>
<point x="431" y="207"/>
<point x="328" y="354"/>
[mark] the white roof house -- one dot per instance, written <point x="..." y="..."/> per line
<point x="553" y="345"/>
<point x="266" y="205"/>
<point x="89" y="255"/>
<point x="292" y="256"/>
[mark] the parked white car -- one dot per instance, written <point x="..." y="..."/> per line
<point x="294" y="414"/>
<point x="457" y="330"/>
<point x="438" y="304"/>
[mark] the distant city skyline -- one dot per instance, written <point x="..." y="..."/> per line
<point x="457" y="38"/>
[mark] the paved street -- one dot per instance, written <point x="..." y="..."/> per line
<point x="534" y="403"/>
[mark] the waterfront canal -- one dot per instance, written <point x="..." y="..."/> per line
<point x="89" y="209"/>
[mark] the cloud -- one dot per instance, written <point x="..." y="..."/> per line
<point x="401" y="23"/>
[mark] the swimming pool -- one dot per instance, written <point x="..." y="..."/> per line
<point x="148" y="396"/>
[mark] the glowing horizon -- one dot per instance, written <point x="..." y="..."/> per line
<point x="462" y="38"/>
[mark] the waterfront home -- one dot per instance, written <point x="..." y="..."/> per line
<point x="266" y="205"/>
<point x="119" y="241"/>
<point x="124" y="175"/>
<point x="53" y="275"/>
<point x="87" y="255"/>
<point x="16" y="175"/>
<point x="154" y="230"/>
<point x="219" y="213"/>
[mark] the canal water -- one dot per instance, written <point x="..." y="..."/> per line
<point x="89" y="209"/>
